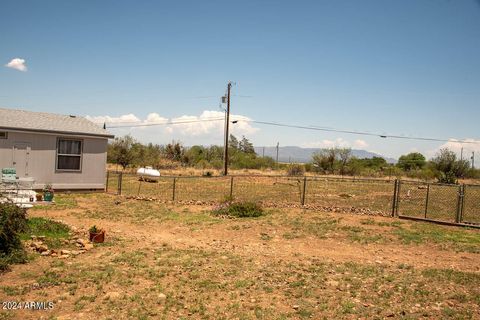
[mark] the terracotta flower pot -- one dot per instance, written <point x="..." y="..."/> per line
<point x="97" y="237"/>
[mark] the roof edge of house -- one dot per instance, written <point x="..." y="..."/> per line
<point x="97" y="135"/>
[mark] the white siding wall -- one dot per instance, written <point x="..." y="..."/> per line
<point x="42" y="160"/>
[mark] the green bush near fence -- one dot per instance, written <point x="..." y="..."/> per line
<point x="243" y="209"/>
<point x="296" y="169"/>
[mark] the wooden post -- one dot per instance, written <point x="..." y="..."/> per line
<point x="227" y="125"/>
<point x="174" y="183"/>
<point x="106" y="184"/>
<point x="120" y="178"/>
<point x="139" y="186"/>
<point x="304" y="190"/>
<point x="397" y="203"/>
<point x="459" y="204"/>
<point x="426" y="200"/>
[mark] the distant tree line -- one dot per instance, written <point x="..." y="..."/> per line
<point x="445" y="167"/>
<point x="128" y="152"/>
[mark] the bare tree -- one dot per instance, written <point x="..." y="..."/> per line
<point x="344" y="156"/>
<point x="324" y="160"/>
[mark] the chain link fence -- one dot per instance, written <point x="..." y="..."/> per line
<point x="471" y="207"/>
<point x="452" y="204"/>
<point x="367" y="194"/>
<point x="456" y="204"/>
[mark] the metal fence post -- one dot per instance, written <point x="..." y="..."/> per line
<point x="120" y="178"/>
<point x="303" y="191"/>
<point x="396" y="197"/>
<point x="399" y="188"/>
<point x="394" y="200"/>
<point x="426" y="199"/>
<point x="106" y="183"/>
<point x="174" y="185"/>
<point x="459" y="204"/>
<point x="457" y="214"/>
<point x="231" y="187"/>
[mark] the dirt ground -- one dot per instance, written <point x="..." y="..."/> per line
<point x="174" y="262"/>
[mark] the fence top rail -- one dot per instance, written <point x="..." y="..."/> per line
<point x="472" y="185"/>
<point x="350" y="179"/>
<point x="435" y="183"/>
<point x="415" y="182"/>
<point x="309" y="178"/>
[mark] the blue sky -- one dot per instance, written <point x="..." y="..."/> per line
<point x="398" y="67"/>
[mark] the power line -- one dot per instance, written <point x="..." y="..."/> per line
<point x="381" y="135"/>
<point x="314" y="128"/>
<point x="163" y="123"/>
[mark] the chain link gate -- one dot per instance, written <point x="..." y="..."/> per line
<point x="444" y="203"/>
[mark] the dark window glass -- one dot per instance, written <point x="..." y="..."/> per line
<point x="69" y="147"/>
<point x="68" y="163"/>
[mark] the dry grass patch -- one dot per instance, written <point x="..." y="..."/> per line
<point x="264" y="267"/>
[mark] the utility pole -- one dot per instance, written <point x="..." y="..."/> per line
<point x="278" y="143"/>
<point x="225" y="158"/>
<point x="263" y="152"/>
<point x="473" y="159"/>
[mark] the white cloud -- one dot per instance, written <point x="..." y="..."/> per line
<point x="17" y="64"/>
<point x="125" y="119"/>
<point x="206" y="128"/>
<point x="360" y="144"/>
<point x="155" y="118"/>
<point x="468" y="148"/>
<point x="338" y="142"/>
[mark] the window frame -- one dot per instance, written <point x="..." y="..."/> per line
<point x="69" y="155"/>
<point x="5" y="137"/>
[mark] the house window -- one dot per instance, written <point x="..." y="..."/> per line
<point x="3" y="135"/>
<point x="69" y="155"/>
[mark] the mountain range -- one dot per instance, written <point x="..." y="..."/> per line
<point x="302" y="155"/>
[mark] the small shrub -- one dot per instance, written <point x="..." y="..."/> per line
<point x="309" y="167"/>
<point x="216" y="164"/>
<point x="447" y="177"/>
<point x="239" y="210"/>
<point x="473" y="173"/>
<point x="296" y="170"/>
<point x="15" y="256"/>
<point x="202" y="164"/>
<point x="12" y="221"/>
